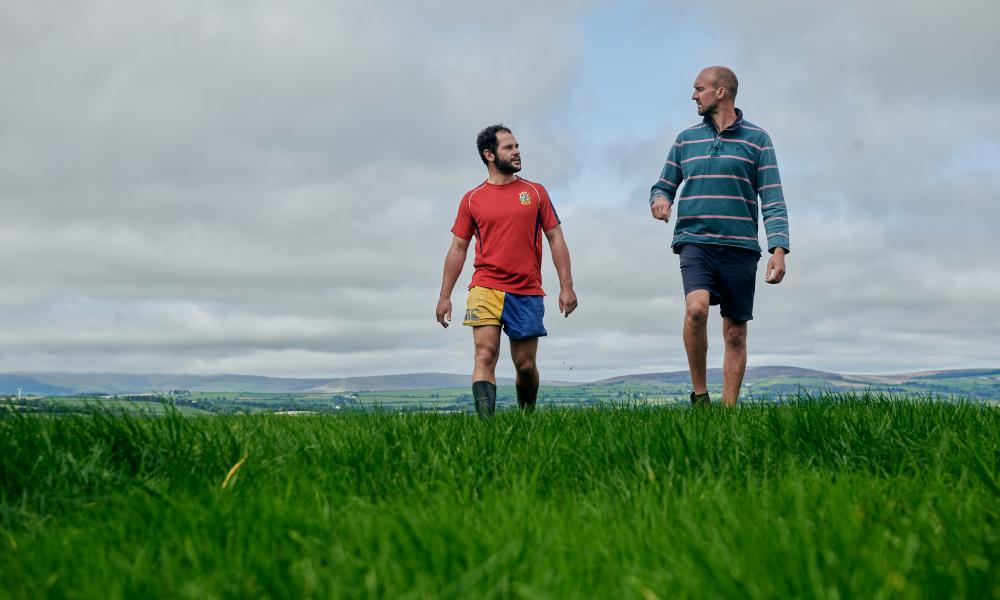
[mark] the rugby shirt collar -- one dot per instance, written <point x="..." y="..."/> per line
<point x="517" y="179"/>
<point x="736" y="124"/>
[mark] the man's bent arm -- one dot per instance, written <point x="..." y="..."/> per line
<point x="772" y="199"/>
<point x="560" y="258"/>
<point x="773" y="212"/>
<point x="453" y="263"/>
<point x="661" y="196"/>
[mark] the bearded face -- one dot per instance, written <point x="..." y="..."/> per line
<point x="508" y="154"/>
<point x="508" y="167"/>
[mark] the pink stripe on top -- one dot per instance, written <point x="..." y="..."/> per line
<point x="716" y="235"/>
<point x="679" y="144"/>
<point x="719" y="177"/>
<point x="668" y="182"/>
<point x="751" y="144"/>
<point x="709" y="197"/>
<point x="764" y="187"/>
<point x="715" y="217"/>
<point x="720" y="156"/>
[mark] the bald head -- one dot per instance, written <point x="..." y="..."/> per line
<point x="722" y="77"/>
<point x="715" y="93"/>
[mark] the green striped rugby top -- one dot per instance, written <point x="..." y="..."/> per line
<point x="720" y="177"/>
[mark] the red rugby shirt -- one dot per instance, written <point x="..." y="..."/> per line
<point x="508" y="221"/>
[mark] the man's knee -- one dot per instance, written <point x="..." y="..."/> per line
<point x="696" y="305"/>
<point x="696" y="313"/>
<point x="487" y="354"/>
<point x="735" y="334"/>
<point x="525" y="365"/>
<point x="522" y="354"/>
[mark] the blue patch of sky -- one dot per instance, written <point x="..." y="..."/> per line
<point x="636" y="74"/>
<point x="975" y="156"/>
<point x="632" y="91"/>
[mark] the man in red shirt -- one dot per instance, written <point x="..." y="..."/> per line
<point x="507" y="214"/>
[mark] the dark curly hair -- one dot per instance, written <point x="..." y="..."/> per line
<point x="487" y="139"/>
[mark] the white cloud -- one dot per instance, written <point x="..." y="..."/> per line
<point x="267" y="188"/>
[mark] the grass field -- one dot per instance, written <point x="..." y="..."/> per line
<point x="838" y="497"/>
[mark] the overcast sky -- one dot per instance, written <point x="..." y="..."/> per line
<point x="268" y="187"/>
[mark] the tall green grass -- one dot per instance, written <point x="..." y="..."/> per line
<point x="840" y="497"/>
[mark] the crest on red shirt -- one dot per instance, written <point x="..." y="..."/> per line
<point x="524" y="198"/>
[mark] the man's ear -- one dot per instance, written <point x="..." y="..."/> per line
<point x="489" y="156"/>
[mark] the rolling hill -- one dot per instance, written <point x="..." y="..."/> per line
<point x="772" y="378"/>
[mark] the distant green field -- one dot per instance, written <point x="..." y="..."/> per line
<point x="442" y="400"/>
<point x="86" y="404"/>
<point x="834" y="497"/>
<point x="776" y="388"/>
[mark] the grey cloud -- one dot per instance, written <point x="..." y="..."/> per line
<point x="248" y="95"/>
<point x="268" y="188"/>
<point x="199" y="186"/>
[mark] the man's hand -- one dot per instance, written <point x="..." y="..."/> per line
<point x="776" y="266"/>
<point x="567" y="301"/>
<point x="444" y="311"/>
<point x="661" y="209"/>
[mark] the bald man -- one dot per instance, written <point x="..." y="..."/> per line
<point x="730" y="175"/>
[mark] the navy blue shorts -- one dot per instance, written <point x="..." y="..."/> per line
<point x="728" y="273"/>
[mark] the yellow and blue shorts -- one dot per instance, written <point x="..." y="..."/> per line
<point x="520" y="316"/>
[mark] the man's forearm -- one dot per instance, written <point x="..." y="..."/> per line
<point x="453" y="263"/>
<point x="560" y="258"/>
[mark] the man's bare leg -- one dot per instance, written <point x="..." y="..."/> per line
<point x="696" y="338"/>
<point x="734" y="362"/>
<point x="523" y="353"/>
<point x="486" y="339"/>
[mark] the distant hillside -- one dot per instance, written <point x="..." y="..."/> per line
<point x="11" y="383"/>
<point x="775" y="379"/>
<point x="125" y="383"/>
<point x="901" y="378"/>
<point x="774" y="382"/>
<point x="52" y="384"/>
<point x="715" y="376"/>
